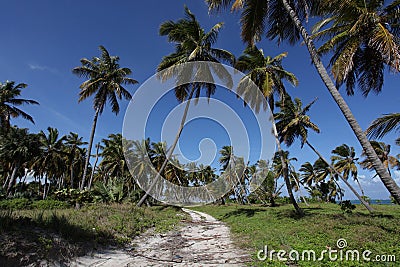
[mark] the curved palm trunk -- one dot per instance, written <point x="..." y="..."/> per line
<point x="171" y="150"/>
<point x="285" y="171"/>
<point x="387" y="180"/>
<point x="96" y="115"/>
<point x="366" y="205"/>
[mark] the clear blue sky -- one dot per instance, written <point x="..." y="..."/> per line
<point x="43" y="40"/>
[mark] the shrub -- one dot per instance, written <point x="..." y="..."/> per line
<point x="15" y="204"/>
<point x="50" y="204"/>
<point x="347" y="206"/>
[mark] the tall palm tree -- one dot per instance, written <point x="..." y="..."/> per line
<point x="344" y="160"/>
<point x="106" y="80"/>
<point x="226" y="155"/>
<point x="383" y="125"/>
<point x="75" y="153"/>
<point x="192" y="43"/>
<point x="9" y="102"/>
<point x="383" y="151"/>
<point x="293" y="122"/>
<point x="268" y="74"/>
<point x="287" y="24"/>
<point x="363" y="36"/>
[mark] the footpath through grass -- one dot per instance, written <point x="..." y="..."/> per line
<point x="278" y="228"/>
<point x="31" y="236"/>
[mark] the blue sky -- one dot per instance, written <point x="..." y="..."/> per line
<point x="43" y="40"/>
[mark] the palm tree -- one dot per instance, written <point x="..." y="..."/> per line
<point x="383" y="125"/>
<point x="286" y="23"/>
<point x="226" y="155"/>
<point x="293" y="122"/>
<point x="268" y="74"/>
<point x="105" y="81"/>
<point x="383" y="151"/>
<point x="75" y="156"/>
<point x="193" y="44"/>
<point x="344" y="160"/>
<point x="17" y="147"/>
<point x="9" y="102"/>
<point x="363" y="36"/>
<point x="50" y="163"/>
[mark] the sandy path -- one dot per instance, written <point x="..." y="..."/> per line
<point x="203" y="241"/>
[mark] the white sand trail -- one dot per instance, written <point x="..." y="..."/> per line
<point x="203" y="241"/>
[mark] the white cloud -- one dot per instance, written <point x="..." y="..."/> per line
<point x="41" y="68"/>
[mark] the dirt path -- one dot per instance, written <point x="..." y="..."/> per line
<point x="203" y="241"/>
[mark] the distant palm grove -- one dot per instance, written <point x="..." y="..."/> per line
<point x="361" y="37"/>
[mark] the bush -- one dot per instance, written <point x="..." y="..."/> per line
<point x="15" y="204"/>
<point x="347" y="206"/>
<point x="74" y="196"/>
<point x="49" y="204"/>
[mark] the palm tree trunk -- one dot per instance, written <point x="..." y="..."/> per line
<point x="72" y="175"/>
<point x="366" y="205"/>
<point x="171" y="150"/>
<point x="387" y="180"/>
<point x="96" y="115"/>
<point x="12" y="178"/>
<point x="94" y="166"/>
<point x="285" y="171"/>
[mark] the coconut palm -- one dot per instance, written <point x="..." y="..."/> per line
<point x="363" y="38"/>
<point x="345" y="161"/>
<point x="106" y="80"/>
<point x="9" y="102"/>
<point x="383" y="125"/>
<point x="383" y="151"/>
<point x="226" y="155"/>
<point x="287" y="24"/>
<point x="268" y="74"/>
<point x="51" y="162"/>
<point x="192" y="44"/>
<point x="292" y="122"/>
<point x="17" y="147"/>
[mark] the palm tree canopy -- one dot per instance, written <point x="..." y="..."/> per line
<point x="292" y="121"/>
<point x="193" y="44"/>
<point x="270" y="17"/>
<point x="364" y="39"/>
<point x="266" y="72"/>
<point x="9" y="102"/>
<point x="383" y="152"/>
<point x="344" y="160"/>
<point x="383" y="125"/>
<point x="105" y="80"/>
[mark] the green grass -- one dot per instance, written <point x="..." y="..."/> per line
<point x="253" y="227"/>
<point x="60" y="234"/>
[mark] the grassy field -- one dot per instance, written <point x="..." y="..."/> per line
<point x="28" y="236"/>
<point x="254" y="227"/>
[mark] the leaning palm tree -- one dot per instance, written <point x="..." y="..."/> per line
<point x="192" y="43"/>
<point x="283" y="20"/>
<point x="268" y="74"/>
<point x="105" y="81"/>
<point x="9" y="102"/>
<point x="293" y="122"/>
<point x="344" y="160"/>
<point x="383" y="125"/>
